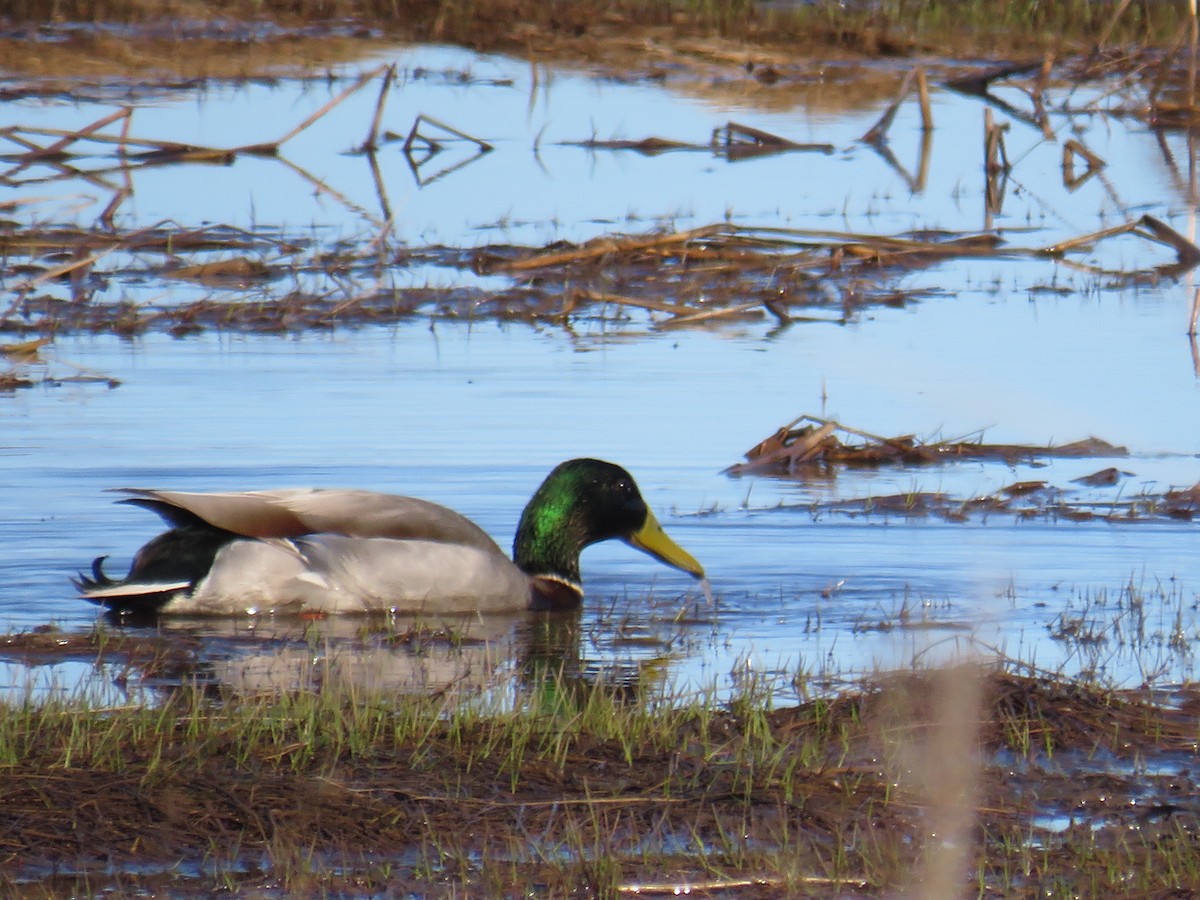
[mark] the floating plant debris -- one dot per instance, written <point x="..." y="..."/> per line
<point x="808" y="446"/>
<point x="811" y="441"/>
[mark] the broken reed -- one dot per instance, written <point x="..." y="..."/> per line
<point x="780" y="268"/>
<point x="716" y="272"/>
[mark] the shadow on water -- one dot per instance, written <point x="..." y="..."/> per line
<point x="390" y="657"/>
<point x="498" y="661"/>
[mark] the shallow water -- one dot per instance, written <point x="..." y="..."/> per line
<point x="474" y="414"/>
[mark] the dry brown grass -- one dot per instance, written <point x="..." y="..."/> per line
<point x="229" y="35"/>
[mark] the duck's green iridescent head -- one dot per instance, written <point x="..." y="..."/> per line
<point x="582" y="502"/>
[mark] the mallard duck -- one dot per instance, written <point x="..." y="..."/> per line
<point x="317" y="551"/>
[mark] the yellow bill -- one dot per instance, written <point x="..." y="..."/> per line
<point x="653" y="540"/>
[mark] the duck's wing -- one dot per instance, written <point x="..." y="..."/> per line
<point x="333" y="573"/>
<point x="416" y="576"/>
<point x="297" y="512"/>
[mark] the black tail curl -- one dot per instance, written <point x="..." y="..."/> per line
<point x="179" y="557"/>
<point x="98" y="580"/>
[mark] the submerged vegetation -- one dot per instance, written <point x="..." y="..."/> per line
<point x="572" y="787"/>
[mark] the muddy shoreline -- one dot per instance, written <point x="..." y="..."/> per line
<point x="831" y="796"/>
